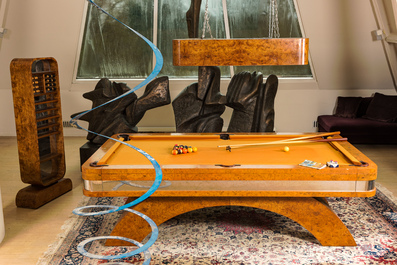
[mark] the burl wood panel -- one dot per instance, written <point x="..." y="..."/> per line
<point x="313" y="214"/>
<point x="187" y="194"/>
<point x="34" y="197"/>
<point x="218" y="52"/>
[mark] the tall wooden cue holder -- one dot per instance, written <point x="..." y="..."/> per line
<point x="38" y="120"/>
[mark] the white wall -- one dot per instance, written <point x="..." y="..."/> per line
<point x="346" y="61"/>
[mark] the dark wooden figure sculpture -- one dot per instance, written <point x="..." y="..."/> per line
<point x="252" y="102"/>
<point x="112" y="118"/>
<point x="199" y="106"/>
<point x="156" y="94"/>
<point x="263" y="120"/>
<point x="192" y="18"/>
<point x="120" y="115"/>
<point x="242" y="96"/>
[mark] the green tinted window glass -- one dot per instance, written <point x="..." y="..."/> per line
<point x="172" y="25"/>
<point x="251" y="19"/>
<point x="111" y="50"/>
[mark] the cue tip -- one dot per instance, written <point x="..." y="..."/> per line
<point x="227" y="147"/>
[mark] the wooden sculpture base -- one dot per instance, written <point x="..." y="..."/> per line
<point x="87" y="150"/>
<point x="314" y="214"/>
<point x="34" y="196"/>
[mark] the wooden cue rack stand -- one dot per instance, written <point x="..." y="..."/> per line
<point x="38" y="120"/>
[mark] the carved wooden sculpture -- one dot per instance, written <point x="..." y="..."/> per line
<point x="121" y="115"/>
<point x="242" y="96"/>
<point x="199" y="106"/>
<point x="112" y="118"/>
<point x="192" y="18"/>
<point x="263" y="120"/>
<point x="252" y="101"/>
<point x="38" y="119"/>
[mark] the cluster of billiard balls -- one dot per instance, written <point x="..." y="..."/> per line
<point x="183" y="149"/>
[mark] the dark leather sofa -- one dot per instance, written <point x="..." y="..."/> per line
<point x="363" y="120"/>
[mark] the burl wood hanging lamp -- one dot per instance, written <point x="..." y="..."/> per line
<point x="221" y="52"/>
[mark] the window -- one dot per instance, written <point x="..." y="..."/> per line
<point x="111" y="50"/>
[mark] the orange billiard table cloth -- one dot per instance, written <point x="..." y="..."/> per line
<point x="233" y="169"/>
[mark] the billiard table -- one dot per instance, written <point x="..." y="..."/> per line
<point x="236" y="169"/>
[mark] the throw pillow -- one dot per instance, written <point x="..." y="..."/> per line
<point x="347" y="107"/>
<point x="382" y="108"/>
<point x="362" y="110"/>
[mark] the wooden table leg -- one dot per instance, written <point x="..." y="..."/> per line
<point x="313" y="214"/>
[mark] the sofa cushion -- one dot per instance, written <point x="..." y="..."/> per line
<point x="382" y="108"/>
<point x="347" y="107"/>
<point x="362" y="109"/>
<point x="359" y="125"/>
<point x="359" y="130"/>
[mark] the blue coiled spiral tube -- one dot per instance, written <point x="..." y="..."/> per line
<point x="143" y="248"/>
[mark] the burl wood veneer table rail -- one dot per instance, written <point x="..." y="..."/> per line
<point x="264" y="177"/>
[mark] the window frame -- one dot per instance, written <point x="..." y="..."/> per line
<point x="386" y="18"/>
<point x="287" y="81"/>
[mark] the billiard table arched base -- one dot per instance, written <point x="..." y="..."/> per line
<point x="314" y="214"/>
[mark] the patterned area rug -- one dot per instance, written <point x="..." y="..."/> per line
<point x="242" y="236"/>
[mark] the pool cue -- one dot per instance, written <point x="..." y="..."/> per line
<point x="228" y="147"/>
<point x="308" y="141"/>
<point x="346" y="153"/>
<point x="285" y="142"/>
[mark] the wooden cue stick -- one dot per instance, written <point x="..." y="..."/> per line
<point x="290" y="142"/>
<point x="282" y="141"/>
<point x="309" y="141"/>
<point x="346" y="153"/>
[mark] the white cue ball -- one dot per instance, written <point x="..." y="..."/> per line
<point x="286" y="149"/>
